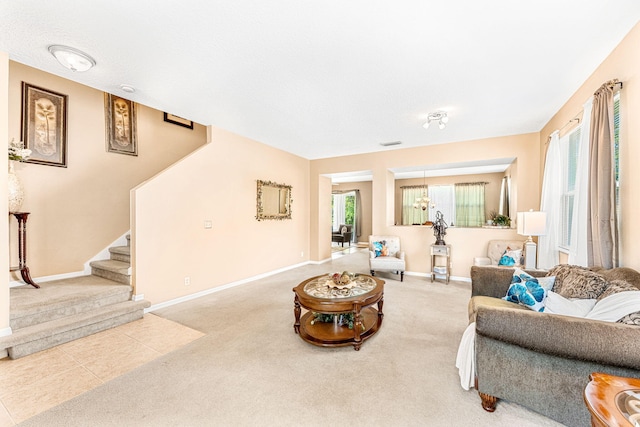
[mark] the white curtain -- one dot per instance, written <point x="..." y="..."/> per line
<point x="578" y="245"/>
<point x="551" y="203"/>
<point x="338" y="210"/>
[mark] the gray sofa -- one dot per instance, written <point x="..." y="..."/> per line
<point x="539" y="360"/>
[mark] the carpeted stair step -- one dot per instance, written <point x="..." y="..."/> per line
<point x="117" y="271"/>
<point x="39" y="337"/>
<point x="66" y="297"/>
<point x="121" y="253"/>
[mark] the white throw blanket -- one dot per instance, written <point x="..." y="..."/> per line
<point x="609" y="309"/>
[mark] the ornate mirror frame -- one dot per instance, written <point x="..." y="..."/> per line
<point x="273" y="201"/>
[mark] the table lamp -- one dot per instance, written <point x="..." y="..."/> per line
<point x="531" y="224"/>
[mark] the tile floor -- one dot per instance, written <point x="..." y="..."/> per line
<point x="38" y="382"/>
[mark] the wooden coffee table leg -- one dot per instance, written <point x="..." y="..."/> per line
<point x="380" y="313"/>
<point x="357" y="326"/>
<point x="296" y="313"/>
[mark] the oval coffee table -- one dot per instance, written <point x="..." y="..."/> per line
<point x="319" y="295"/>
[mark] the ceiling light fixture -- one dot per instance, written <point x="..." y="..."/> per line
<point x="439" y="116"/>
<point x="72" y="58"/>
<point x="127" y="88"/>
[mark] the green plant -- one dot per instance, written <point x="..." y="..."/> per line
<point x="502" y="220"/>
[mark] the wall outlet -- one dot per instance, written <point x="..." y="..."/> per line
<point x="208" y="223"/>
<point x="187" y="281"/>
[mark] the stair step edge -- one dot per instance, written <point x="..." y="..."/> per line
<point x="120" y="267"/>
<point x="44" y="330"/>
<point x="124" y="250"/>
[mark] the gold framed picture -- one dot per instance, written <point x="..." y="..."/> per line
<point x="44" y="125"/>
<point x="120" y="115"/>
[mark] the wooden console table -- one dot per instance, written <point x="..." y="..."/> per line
<point x="438" y="252"/>
<point x="22" y="248"/>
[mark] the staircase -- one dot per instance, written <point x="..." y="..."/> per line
<point x="68" y="309"/>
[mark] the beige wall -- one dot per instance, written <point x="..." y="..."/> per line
<point x="467" y="243"/>
<point x="4" y="231"/>
<point x="217" y="183"/>
<point x="492" y="189"/>
<point x="623" y="63"/>
<point x="365" y="199"/>
<point x="78" y="210"/>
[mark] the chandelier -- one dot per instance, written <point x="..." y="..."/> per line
<point x="423" y="202"/>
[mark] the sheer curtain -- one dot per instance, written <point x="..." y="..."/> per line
<point x="411" y="215"/>
<point x="602" y="229"/>
<point x="505" y="191"/>
<point x="551" y="203"/>
<point x="338" y="210"/>
<point x="578" y="244"/>
<point x="470" y="204"/>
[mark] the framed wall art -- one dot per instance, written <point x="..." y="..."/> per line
<point x="170" y="118"/>
<point x="120" y="115"/>
<point x="44" y="125"/>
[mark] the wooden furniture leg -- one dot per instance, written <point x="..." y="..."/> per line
<point x="296" y="312"/>
<point x="488" y="402"/>
<point x="22" y="248"/>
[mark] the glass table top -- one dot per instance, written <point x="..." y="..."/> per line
<point x="325" y="287"/>
<point x="628" y="403"/>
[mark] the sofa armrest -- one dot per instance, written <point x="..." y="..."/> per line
<point x="563" y="336"/>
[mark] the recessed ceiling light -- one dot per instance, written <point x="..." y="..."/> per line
<point x="389" y="144"/>
<point x="127" y="88"/>
<point x="72" y="58"/>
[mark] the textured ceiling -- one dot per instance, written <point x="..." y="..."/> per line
<point x="328" y="78"/>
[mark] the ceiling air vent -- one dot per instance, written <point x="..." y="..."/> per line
<point x="389" y="144"/>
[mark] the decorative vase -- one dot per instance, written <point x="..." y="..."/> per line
<point x="16" y="190"/>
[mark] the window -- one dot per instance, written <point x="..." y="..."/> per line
<point x="569" y="144"/>
<point x="443" y="197"/>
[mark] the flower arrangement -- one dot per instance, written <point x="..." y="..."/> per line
<point x="17" y="151"/>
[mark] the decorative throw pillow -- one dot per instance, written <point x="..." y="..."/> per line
<point x="631" y="319"/>
<point x="581" y="284"/>
<point x="561" y="271"/>
<point x="616" y="286"/>
<point x="510" y="258"/>
<point x="343" y="229"/>
<point x="525" y="290"/>
<point x="380" y="248"/>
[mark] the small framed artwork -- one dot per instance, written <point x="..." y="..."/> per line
<point x="178" y="120"/>
<point x="44" y="125"/>
<point x="120" y="115"/>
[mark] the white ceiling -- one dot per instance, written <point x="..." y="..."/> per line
<point x="333" y="77"/>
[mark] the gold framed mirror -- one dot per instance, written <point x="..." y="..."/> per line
<point x="273" y="201"/>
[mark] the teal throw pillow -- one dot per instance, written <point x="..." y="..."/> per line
<point x="380" y="248"/>
<point x="525" y="290"/>
<point x="510" y="258"/>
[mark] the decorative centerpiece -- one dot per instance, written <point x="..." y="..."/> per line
<point x="342" y="280"/>
<point x="17" y="153"/>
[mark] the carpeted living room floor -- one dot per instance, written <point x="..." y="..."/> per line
<point x="252" y="369"/>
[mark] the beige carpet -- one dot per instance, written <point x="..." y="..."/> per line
<point x="252" y="370"/>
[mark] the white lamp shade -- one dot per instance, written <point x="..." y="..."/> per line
<point x="532" y="223"/>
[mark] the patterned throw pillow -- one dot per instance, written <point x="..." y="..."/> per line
<point x="380" y="248"/>
<point x="581" y="284"/>
<point x="510" y="258"/>
<point x="525" y="290"/>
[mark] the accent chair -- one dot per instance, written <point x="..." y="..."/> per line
<point x="344" y="234"/>
<point x="385" y="255"/>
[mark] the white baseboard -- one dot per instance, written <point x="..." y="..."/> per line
<point x="104" y="253"/>
<point x="221" y="288"/>
<point x="5" y="332"/>
<point x="419" y="274"/>
<point x="71" y="275"/>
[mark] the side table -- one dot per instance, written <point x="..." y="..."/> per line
<point x="437" y="252"/>
<point x="22" y="248"/>
<point x="613" y="401"/>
